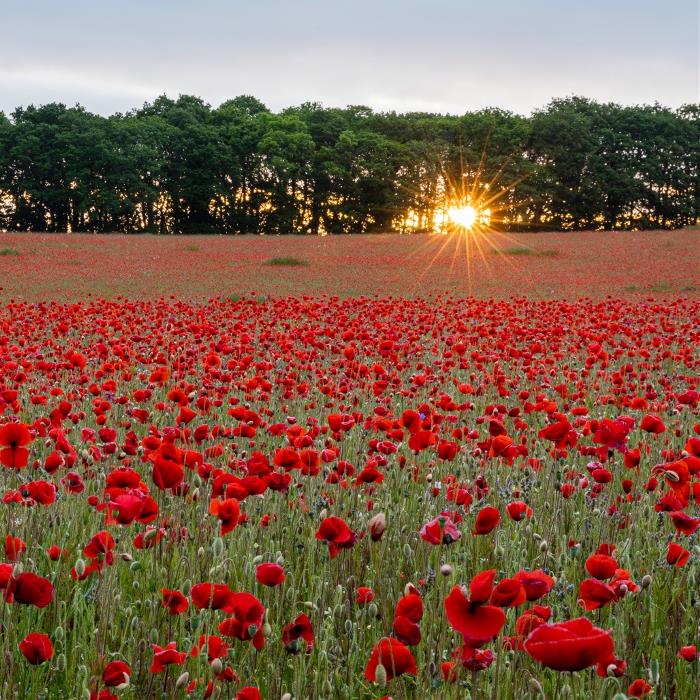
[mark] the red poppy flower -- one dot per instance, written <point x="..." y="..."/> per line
<point x="29" y="589"/>
<point x="248" y="693"/>
<point x="569" y="646"/>
<point x="215" y="596"/>
<point x="364" y="595"/>
<point x="595" y="594"/>
<point x="116" y="673"/>
<point x="299" y="629"/>
<point x="684" y="523"/>
<point x="246" y="623"/>
<point x="13" y="438"/>
<point x="536" y="583"/>
<point x="394" y="656"/>
<point x="269" y="574"/>
<point x="14" y="546"/>
<point x="601" y="566"/>
<point x="216" y="647"/>
<point x="508" y="593"/>
<point x="167" y="474"/>
<point x="336" y="533"/>
<point x="440" y="530"/>
<point x="652" y="424"/>
<point x="477" y="623"/>
<point x="677" y="555"/>
<point x="517" y="510"/>
<point x="174" y="601"/>
<point x="227" y="511"/>
<point x="486" y="520"/>
<point x="639" y="688"/>
<point x="688" y="653"/>
<point x="473" y="659"/>
<point x="100" y="544"/>
<point x="165" y="656"/>
<point x="36" y="648"/>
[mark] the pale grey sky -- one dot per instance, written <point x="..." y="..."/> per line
<point x="407" y="55"/>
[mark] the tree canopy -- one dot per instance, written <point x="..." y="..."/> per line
<point x="181" y="166"/>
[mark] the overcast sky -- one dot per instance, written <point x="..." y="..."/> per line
<point x="405" y="55"/>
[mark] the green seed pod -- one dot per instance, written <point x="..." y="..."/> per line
<point x="380" y="675"/>
<point x="535" y="686"/>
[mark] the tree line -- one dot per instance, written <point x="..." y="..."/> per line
<point x="181" y="166"/>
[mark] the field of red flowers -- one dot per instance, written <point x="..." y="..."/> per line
<point x="292" y="497"/>
<point x="634" y="265"/>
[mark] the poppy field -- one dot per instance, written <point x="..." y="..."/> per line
<point x="357" y="497"/>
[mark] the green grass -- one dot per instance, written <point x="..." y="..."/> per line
<point x="9" y="251"/>
<point x="287" y="262"/>
<point x="529" y="252"/>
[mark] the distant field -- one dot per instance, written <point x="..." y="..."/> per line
<point x="539" y="266"/>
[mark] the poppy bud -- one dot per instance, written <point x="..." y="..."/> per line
<point x="544" y="546"/>
<point x="286" y="696"/>
<point x="218" y="547"/>
<point x="217" y="666"/>
<point x="377" y="526"/>
<point x="535" y="686"/>
<point x="646" y="581"/>
<point x="183" y="679"/>
<point x="380" y="675"/>
<point x="267" y="629"/>
<point x="446" y="570"/>
<point x="80" y="567"/>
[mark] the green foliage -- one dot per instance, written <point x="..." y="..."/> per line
<point x="179" y="166"/>
<point x="287" y="262"/>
